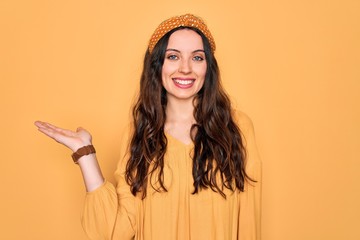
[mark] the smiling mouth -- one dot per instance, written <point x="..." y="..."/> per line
<point x="183" y="82"/>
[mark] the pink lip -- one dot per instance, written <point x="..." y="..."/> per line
<point x="184" y="78"/>
<point x="184" y="86"/>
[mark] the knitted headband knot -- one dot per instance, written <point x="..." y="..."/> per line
<point x="187" y="20"/>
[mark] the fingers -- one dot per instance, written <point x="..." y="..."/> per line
<point x="46" y="130"/>
<point x="54" y="129"/>
<point x="45" y="125"/>
<point x="71" y="139"/>
<point x="39" y="123"/>
<point x="42" y="126"/>
<point x="49" y="130"/>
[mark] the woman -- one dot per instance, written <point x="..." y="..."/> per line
<point x="189" y="168"/>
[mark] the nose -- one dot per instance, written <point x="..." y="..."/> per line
<point x="185" y="66"/>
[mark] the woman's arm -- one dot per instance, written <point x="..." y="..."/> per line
<point x="106" y="212"/>
<point x="89" y="166"/>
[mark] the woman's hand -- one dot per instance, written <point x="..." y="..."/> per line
<point x="89" y="166"/>
<point x="71" y="139"/>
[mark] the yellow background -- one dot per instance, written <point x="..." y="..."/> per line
<point x="293" y="66"/>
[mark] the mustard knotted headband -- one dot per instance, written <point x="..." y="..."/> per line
<point x="187" y="20"/>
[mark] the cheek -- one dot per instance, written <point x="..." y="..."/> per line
<point x="168" y="69"/>
<point x="202" y="71"/>
<point x="166" y="73"/>
<point x="163" y="73"/>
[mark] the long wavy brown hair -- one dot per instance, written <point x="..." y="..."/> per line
<point x="218" y="144"/>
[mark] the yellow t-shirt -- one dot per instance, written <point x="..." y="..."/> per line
<point x="114" y="213"/>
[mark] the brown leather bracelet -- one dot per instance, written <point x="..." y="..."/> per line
<point x="86" y="150"/>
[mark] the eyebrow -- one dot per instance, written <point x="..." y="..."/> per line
<point x="175" y="50"/>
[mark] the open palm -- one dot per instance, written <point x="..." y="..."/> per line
<point x="71" y="139"/>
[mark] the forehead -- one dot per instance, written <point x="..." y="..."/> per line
<point x="185" y="40"/>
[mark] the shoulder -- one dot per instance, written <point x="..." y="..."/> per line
<point x="243" y="121"/>
<point x="247" y="131"/>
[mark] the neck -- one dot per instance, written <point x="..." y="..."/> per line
<point x="180" y="112"/>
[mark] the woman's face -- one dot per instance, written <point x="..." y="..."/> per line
<point x="184" y="68"/>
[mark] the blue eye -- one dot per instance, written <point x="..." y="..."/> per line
<point x="172" y="57"/>
<point x="198" y="58"/>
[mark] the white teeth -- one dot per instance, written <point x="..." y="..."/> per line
<point x="183" y="82"/>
